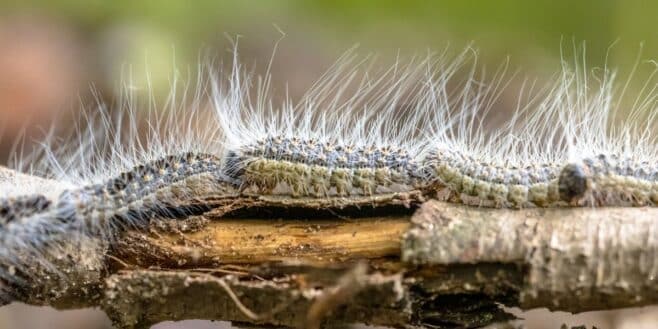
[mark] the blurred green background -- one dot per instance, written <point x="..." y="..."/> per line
<point x="51" y="52"/>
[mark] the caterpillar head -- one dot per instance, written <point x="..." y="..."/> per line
<point x="572" y="182"/>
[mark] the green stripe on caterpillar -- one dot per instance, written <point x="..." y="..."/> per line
<point x="320" y="169"/>
<point x="312" y="168"/>
<point x="492" y="185"/>
<point x="420" y="127"/>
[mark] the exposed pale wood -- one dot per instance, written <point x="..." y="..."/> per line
<point x="253" y="241"/>
<point x="288" y="262"/>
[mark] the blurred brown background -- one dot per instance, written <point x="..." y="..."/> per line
<point x="52" y="54"/>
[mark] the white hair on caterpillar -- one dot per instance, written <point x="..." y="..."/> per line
<point x="416" y="125"/>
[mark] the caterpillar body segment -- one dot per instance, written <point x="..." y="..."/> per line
<point x="497" y="185"/>
<point x="320" y="169"/>
<point x="415" y="127"/>
<point x="13" y="208"/>
<point x="609" y="180"/>
<point x="156" y="187"/>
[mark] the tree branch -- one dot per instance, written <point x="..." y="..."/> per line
<point x="575" y="259"/>
<point x="288" y="262"/>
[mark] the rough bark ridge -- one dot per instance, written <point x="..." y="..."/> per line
<point x="276" y="261"/>
<point x="574" y="259"/>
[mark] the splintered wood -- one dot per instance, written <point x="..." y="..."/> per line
<point x="254" y="241"/>
<point x="447" y="265"/>
<point x="390" y="260"/>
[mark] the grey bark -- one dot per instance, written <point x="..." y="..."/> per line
<point x="573" y="259"/>
<point x="454" y="266"/>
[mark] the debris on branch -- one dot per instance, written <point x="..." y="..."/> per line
<point x="397" y="261"/>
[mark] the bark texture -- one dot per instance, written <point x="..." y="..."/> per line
<point x="395" y="260"/>
<point x="574" y="259"/>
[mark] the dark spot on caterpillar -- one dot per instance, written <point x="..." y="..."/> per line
<point x="572" y="183"/>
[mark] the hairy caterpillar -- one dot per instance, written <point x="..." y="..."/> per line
<point x="415" y="127"/>
<point x="311" y="167"/>
<point x="15" y="208"/>
<point x="605" y="180"/>
<point x="534" y="185"/>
